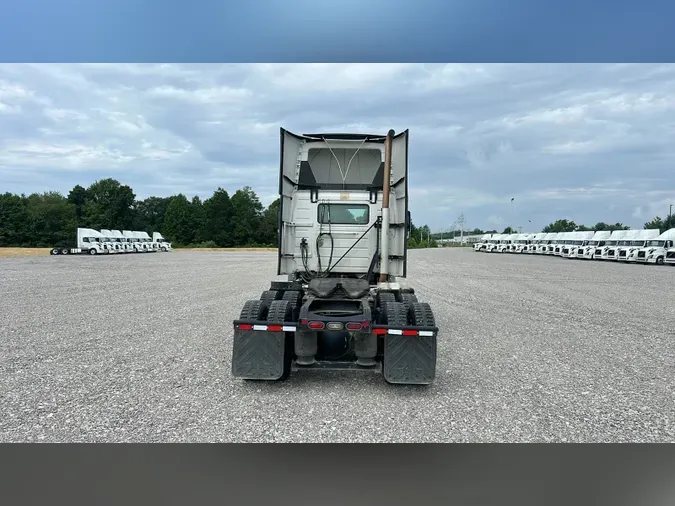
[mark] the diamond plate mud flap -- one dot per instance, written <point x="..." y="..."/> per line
<point x="260" y="350"/>
<point x="409" y="354"/>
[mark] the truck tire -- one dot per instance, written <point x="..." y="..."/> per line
<point x="268" y="296"/>
<point x="65" y="251"/>
<point x="282" y="311"/>
<point x="384" y="297"/>
<point x="294" y="297"/>
<point x="54" y="251"/>
<point x="659" y="260"/>
<point x="408" y="299"/>
<point x="253" y="310"/>
<point x="423" y="316"/>
<point x="93" y="251"/>
<point x="395" y="314"/>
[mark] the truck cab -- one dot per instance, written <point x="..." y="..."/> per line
<point x="493" y="242"/>
<point x="120" y="242"/>
<point x="108" y="242"/>
<point x="90" y="240"/>
<point x="603" y="252"/>
<point x="522" y="244"/>
<point x="144" y="242"/>
<point x="504" y="243"/>
<point x="480" y="245"/>
<point x="660" y="250"/>
<point x="578" y="242"/>
<point x="587" y="251"/>
<point x="642" y="237"/>
<point x="343" y="228"/>
<point x="162" y="244"/>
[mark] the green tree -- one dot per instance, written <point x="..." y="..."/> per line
<point x="178" y="224"/>
<point x="109" y="205"/>
<point x="78" y="197"/>
<point x="52" y="220"/>
<point x="270" y="224"/>
<point x="560" y="226"/>
<point x="13" y="219"/>
<point x="246" y="217"/>
<point x="198" y="219"/>
<point x="661" y="224"/>
<point x="218" y="219"/>
<point x="508" y="230"/>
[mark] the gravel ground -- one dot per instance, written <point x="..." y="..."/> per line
<point x="137" y="348"/>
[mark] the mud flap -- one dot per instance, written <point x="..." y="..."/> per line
<point x="410" y="359"/>
<point x="260" y="355"/>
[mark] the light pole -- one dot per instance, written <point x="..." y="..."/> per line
<point x="670" y="216"/>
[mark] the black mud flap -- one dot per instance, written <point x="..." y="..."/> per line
<point x="261" y="354"/>
<point x="409" y="355"/>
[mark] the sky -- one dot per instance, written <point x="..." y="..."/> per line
<point x="586" y="142"/>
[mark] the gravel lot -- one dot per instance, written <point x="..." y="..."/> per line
<point x="137" y="348"/>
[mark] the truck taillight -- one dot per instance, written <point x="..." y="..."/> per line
<point x="354" y="326"/>
<point x="315" y="325"/>
<point x="245" y="326"/>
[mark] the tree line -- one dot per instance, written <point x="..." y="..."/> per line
<point x="662" y="224"/>
<point x="223" y="220"/>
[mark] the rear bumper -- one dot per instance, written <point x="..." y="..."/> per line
<point x="263" y="350"/>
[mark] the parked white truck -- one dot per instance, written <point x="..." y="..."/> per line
<point x="482" y="242"/>
<point x="544" y="242"/>
<point x="159" y="240"/>
<point x="505" y="243"/>
<point x="587" y="251"/>
<point x="533" y="243"/>
<point x="109" y="242"/>
<point x="629" y="253"/>
<point x="657" y="250"/>
<point x="145" y="241"/>
<point x="520" y="243"/>
<point x="125" y="245"/>
<point x="560" y="242"/>
<point x="608" y="251"/>
<point x="493" y="242"/>
<point x="576" y="243"/>
<point x="88" y="242"/>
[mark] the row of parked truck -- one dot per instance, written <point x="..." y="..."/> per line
<point x="105" y="242"/>
<point x="639" y="246"/>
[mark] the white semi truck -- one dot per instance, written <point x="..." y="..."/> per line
<point x="553" y="241"/>
<point x="482" y="242"/>
<point x="161" y="243"/>
<point x="119" y="238"/>
<point x="144" y="241"/>
<point x="88" y="242"/>
<point x="343" y="228"/>
<point x="521" y="243"/>
<point x="587" y="252"/>
<point x="660" y="250"/>
<point x="608" y="251"/>
<point x="576" y="243"/>
<point x="109" y="242"/>
<point x="535" y="240"/>
<point x="544" y="242"/>
<point x="493" y="242"/>
<point x="504" y="243"/>
<point x="642" y="237"/>
<point x="559" y="242"/>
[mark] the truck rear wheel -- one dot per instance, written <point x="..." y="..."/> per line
<point x="294" y="297"/>
<point x="55" y="251"/>
<point x="65" y="251"/>
<point x="254" y="310"/>
<point x="423" y="316"/>
<point x="395" y="314"/>
<point x="281" y="311"/>
<point x="92" y="251"/>
<point x="384" y="297"/>
<point x="268" y="296"/>
<point x="408" y="299"/>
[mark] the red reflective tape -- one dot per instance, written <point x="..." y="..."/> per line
<point x="409" y="332"/>
<point x="245" y="326"/>
<point x="379" y="331"/>
<point x="274" y="328"/>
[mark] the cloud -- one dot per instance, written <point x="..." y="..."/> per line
<point x="585" y="142"/>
